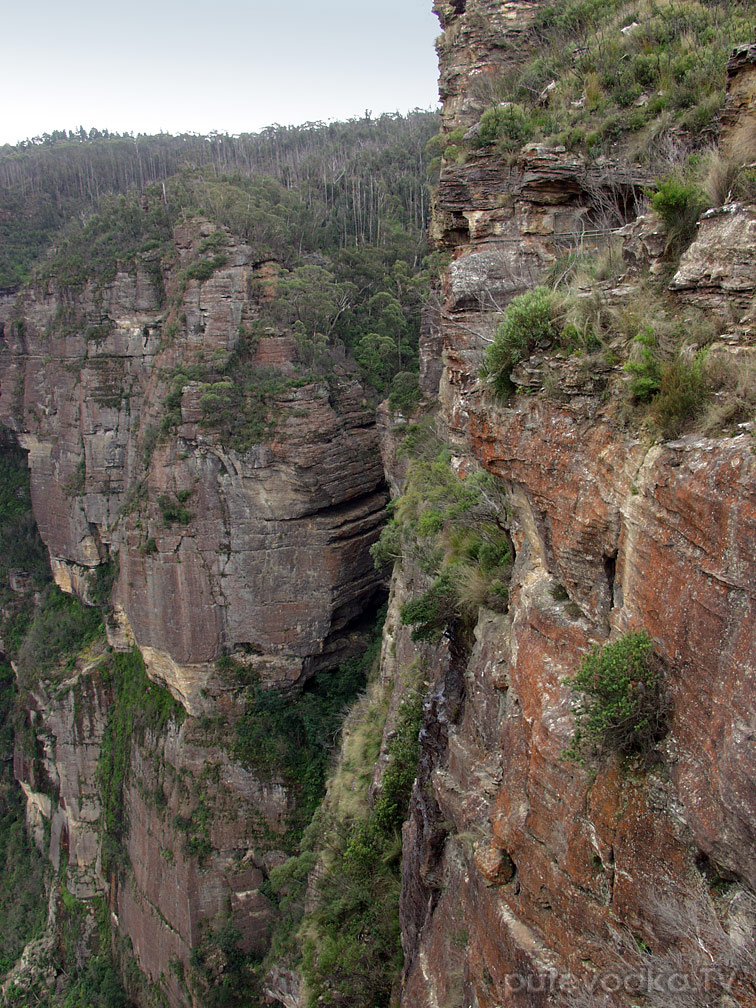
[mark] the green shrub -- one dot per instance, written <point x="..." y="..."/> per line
<point x="679" y="203"/>
<point x="527" y="321"/>
<point x="172" y="512"/>
<point x="645" y="368"/>
<point x="205" y="268"/>
<point x="433" y="611"/>
<point x="508" y="126"/>
<point x="674" y="385"/>
<point x="621" y="708"/>
<point x="102" y="580"/>
<point x="221" y="974"/>
<point x="61" y="628"/>
<point x="405" y="394"/>
<point x="455" y="530"/>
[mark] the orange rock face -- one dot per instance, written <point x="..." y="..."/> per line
<point x="529" y="879"/>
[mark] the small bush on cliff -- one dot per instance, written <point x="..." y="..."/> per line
<point x="62" y="626"/>
<point x="454" y="529"/>
<point x="645" y="367"/>
<point x="682" y="393"/>
<point x="528" y="320"/>
<point x="674" y="382"/>
<point x="620" y="707"/>
<point x="172" y="512"/>
<point x="405" y="394"/>
<point x="508" y="126"/>
<point x="679" y="202"/>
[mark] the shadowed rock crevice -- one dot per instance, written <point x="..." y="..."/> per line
<point x="610" y="570"/>
<point x="427" y="831"/>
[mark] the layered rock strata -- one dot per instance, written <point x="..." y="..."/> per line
<point x="534" y="879"/>
<point x="259" y="553"/>
<point x="268" y="553"/>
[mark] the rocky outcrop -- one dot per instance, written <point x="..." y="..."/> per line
<point x="203" y="835"/>
<point x="739" y="112"/>
<point x="265" y="549"/>
<point x="205" y="547"/>
<point x="718" y="270"/>
<point x="544" y="879"/>
<point x="481" y="39"/>
<point x="58" y="770"/>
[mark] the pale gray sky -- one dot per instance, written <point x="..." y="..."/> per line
<point x="232" y="66"/>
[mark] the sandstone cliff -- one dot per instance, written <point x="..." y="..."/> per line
<point x="572" y="510"/>
<point x="534" y="880"/>
<point x="203" y="550"/>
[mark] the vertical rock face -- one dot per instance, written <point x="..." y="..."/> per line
<point x="202" y="837"/>
<point x="480" y="38"/>
<point x="59" y="774"/>
<point x="218" y="549"/>
<point x="259" y="552"/>
<point x="535" y="877"/>
<point x="739" y="112"/>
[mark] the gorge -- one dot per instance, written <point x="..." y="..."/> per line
<point x="255" y="784"/>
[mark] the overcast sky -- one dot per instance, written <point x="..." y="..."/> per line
<point x="190" y="65"/>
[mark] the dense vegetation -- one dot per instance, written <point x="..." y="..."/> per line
<point x="293" y="736"/>
<point x="22" y="902"/>
<point x="40" y="638"/>
<point x="648" y="74"/>
<point x="352" y="948"/>
<point x="454" y="528"/>
<point x="349" y="244"/>
<point x="366" y="177"/>
<point x="291" y="739"/>
<point x="83" y="956"/>
<point x="21" y="548"/>
<point x="343" y="932"/>
<point x="139" y="706"/>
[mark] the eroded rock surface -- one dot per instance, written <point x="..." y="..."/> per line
<point x="258" y="551"/>
<point x="542" y="872"/>
<point x="266" y="548"/>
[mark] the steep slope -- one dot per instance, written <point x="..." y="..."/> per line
<point x="232" y="558"/>
<point x="528" y="878"/>
<point x="577" y="483"/>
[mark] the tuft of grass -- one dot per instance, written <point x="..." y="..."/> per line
<point x="679" y="202"/>
<point x="681" y="393"/>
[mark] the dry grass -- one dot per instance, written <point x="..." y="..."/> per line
<point x="732" y="376"/>
<point x="347" y="789"/>
<point x="711" y="948"/>
<point x="728" y="174"/>
<point x="720" y="179"/>
<point x="476" y="588"/>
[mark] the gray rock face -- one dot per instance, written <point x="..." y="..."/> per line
<point x="719" y="270"/>
<point x="269" y="552"/>
<point x="259" y="552"/>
